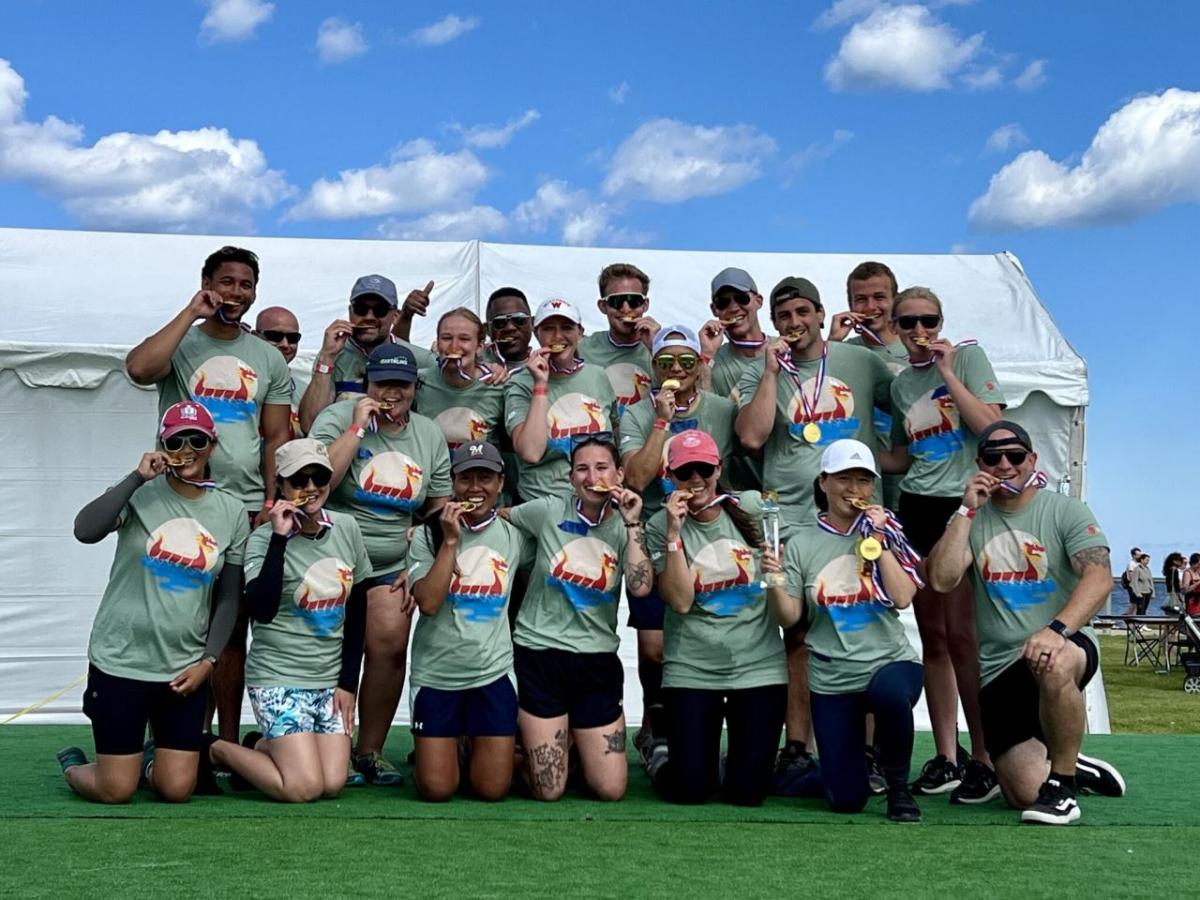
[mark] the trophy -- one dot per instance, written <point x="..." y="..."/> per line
<point x="770" y="522"/>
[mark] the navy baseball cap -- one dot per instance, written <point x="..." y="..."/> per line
<point x="476" y="455"/>
<point x="377" y="286"/>
<point x="391" y="362"/>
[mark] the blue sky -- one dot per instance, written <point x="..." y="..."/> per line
<point x="1067" y="134"/>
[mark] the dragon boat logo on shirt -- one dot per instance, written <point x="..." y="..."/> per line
<point x="181" y="553"/>
<point x="723" y="578"/>
<point x="322" y="593"/>
<point x="630" y="383"/>
<point x="834" y="411"/>
<point x="586" y="571"/>
<point x="227" y="387"/>
<point x="844" y="591"/>
<point x="461" y="425"/>
<point x="1014" y="569"/>
<point x="479" y="588"/>
<point x="573" y="414"/>
<point x="933" y="426"/>
<point x="390" y="480"/>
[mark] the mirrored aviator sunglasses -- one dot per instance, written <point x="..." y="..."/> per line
<point x="667" y="361"/>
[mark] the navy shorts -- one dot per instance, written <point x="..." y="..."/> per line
<point x="120" y="708"/>
<point x="488" y="711"/>
<point x="587" y="688"/>
<point x="384" y="580"/>
<point x="646" y="613"/>
<point x="1010" y="703"/>
<point x="925" y="519"/>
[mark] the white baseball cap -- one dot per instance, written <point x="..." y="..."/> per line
<point x="844" y="455"/>
<point x="556" y="306"/>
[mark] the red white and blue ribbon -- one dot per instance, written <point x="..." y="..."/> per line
<point x="1037" y="480"/>
<point x="634" y="343"/>
<point x="207" y="483"/>
<point x="583" y="516"/>
<point x="720" y="498"/>
<point x="746" y="345"/>
<point x="228" y="321"/>
<point x="299" y="516"/>
<point x="785" y="363"/>
<point x="575" y="367"/>
<point x="893" y="539"/>
<point x="373" y="423"/>
<point x="485" y="372"/>
<point x="679" y="410"/>
<point x="925" y="364"/>
<point x="868" y="335"/>
<point x="476" y="527"/>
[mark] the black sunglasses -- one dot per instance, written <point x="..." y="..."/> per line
<point x="195" y="440"/>
<point x="624" y="301"/>
<point x="365" y="307"/>
<point x="908" y="323"/>
<point x="592" y="437"/>
<point x="278" y="337"/>
<point x="516" y="320"/>
<point x="318" y="476"/>
<point x="721" y="301"/>
<point x="993" y="457"/>
<point x="687" y="470"/>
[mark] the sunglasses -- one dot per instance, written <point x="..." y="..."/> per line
<point x="722" y="301"/>
<point x="177" y="442"/>
<point x="278" y="337"/>
<point x="318" y="476"/>
<point x="667" y="361"/>
<point x="368" y="307"/>
<point x="993" y="457"/>
<point x="908" y="323"/>
<point x="594" y="437"/>
<point x="516" y="320"/>
<point x="624" y="301"/>
<point x="687" y="470"/>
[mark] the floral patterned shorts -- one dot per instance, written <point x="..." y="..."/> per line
<point x="281" y="711"/>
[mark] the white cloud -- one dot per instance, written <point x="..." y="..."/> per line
<point x="1145" y="157"/>
<point x="491" y="136"/>
<point x="1033" y="76"/>
<point x="843" y="11"/>
<point x="983" y="79"/>
<point x="197" y="180"/>
<point x="474" y="223"/>
<point x="584" y="222"/>
<point x="1005" y="138"/>
<point x="417" y="178"/>
<point x="339" y="40"/>
<point x="814" y="152"/>
<point x="903" y="47"/>
<point x="669" y="161"/>
<point x="233" y="20"/>
<point x="618" y="94"/>
<point x="444" y="31"/>
<point x="959" y="247"/>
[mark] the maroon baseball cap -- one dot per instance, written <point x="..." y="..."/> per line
<point x="692" y="446"/>
<point x="187" y="415"/>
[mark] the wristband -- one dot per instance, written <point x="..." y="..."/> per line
<point x="1060" y="628"/>
<point x="210" y="659"/>
<point x="540" y="390"/>
<point x="322" y="368"/>
<point x="674" y="546"/>
<point x="966" y="512"/>
<point x="356" y="430"/>
<point x="707" y="360"/>
<point x="633" y="524"/>
<point x="268" y="504"/>
<point x="661" y="424"/>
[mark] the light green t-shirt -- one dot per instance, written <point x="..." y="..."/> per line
<point x="856" y="380"/>
<point x="464" y="414"/>
<point x="728" y="640"/>
<point x="728" y="368"/>
<point x="712" y="414"/>
<point x="153" y="618"/>
<point x="350" y="366"/>
<point x="941" y="447"/>
<point x="895" y="356"/>
<point x="390" y="476"/>
<point x="302" y="646"/>
<point x="851" y="635"/>
<point x="580" y="403"/>
<point x="575" y="586"/>
<point x="628" y="368"/>
<point x="1022" y="572"/>
<point x="467" y="644"/>
<point x="233" y="380"/>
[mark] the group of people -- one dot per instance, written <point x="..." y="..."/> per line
<point x="1181" y="578"/>
<point x="767" y="503"/>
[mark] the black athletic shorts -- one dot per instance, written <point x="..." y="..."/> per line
<point x="587" y="688"/>
<point x="925" y="518"/>
<point x="120" y="708"/>
<point x="1010" y="706"/>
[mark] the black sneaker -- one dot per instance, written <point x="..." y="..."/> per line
<point x="1055" y="805"/>
<point x="657" y="757"/>
<point x="961" y="756"/>
<point x="147" y="764"/>
<point x="1095" y="776"/>
<point x="206" y="776"/>
<point x="793" y="766"/>
<point x="876" y="782"/>
<point x="979" y="784"/>
<point x="938" y="776"/>
<point x="901" y="807"/>
<point x="643" y="742"/>
<point x="70" y="757"/>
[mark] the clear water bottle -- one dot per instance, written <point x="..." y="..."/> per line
<point x="770" y="522"/>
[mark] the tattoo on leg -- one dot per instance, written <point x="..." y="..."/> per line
<point x="548" y="763"/>
<point x="616" y="742"/>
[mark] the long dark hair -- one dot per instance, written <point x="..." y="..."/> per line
<point x="1169" y="564"/>
<point x="748" y="527"/>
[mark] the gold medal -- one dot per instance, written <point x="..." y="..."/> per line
<point x="672" y="384"/>
<point x="812" y="432"/>
<point x="870" y="549"/>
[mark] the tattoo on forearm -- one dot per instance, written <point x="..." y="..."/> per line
<point x="548" y="763"/>
<point x="638" y="575"/>
<point x="1093" y="556"/>
<point x="616" y="742"/>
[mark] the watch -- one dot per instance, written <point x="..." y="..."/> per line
<point x="1060" y="628"/>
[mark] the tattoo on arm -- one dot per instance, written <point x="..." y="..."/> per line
<point x="1093" y="556"/>
<point x="616" y="742"/>
<point x="638" y="576"/>
<point x="548" y="763"/>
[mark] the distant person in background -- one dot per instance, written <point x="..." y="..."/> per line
<point x="1125" y="578"/>
<point x="280" y="328"/>
<point x="1141" y="585"/>
<point x="1190" y="582"/>
<point x="1173" y="568"/>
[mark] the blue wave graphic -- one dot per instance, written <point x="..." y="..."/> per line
<point x="229" y="410"/>
<point x="882" y="421"/>
<point x="478" y="607"/>
<point x="386" y="503"/>
<point x="581" y="597"/>
<point x="848" y="619"/>
<point x="323" y="622"/>
<point x="831" y="431"/>
<point x="1020" y="595"/>
<point x="176" y="579"/>
<point x="731" y="600"/>
<point x="561" y="445"/>
<point x="938" y="447"/>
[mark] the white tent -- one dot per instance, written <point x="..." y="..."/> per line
<point x="72" y="303"/>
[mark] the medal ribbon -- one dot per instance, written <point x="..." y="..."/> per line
<point x="206" y="483"/>
<point x="870" y="336"/>
<point x="1037" y="479"/>
<point x="590" y="524"/>
<point x="749" y="345"/>
<point x="720" y="498"/>
<point x="933" y="357"/>
<point x="893" y="534"/>
<point x="678" y="409"/>
<point x="479" y="526"/>
<point x="300" y="515"/>
<point x="578" y="364"/>
<point x="785" y="363"/>
<point x="620" y="346"/>
<point x="228" y="321"/>
<point x="485" y="372"/>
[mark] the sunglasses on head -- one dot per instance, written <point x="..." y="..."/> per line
<point x="628" y="300"/>
<point x="594" y="437"/>
<point x="195" y="440"/>
<point x="370" y="307"/>
<point x="908" y="323"/>
<point x="278" y="337"/>
<point x="667" y="361"/>
<point x="318" y="476"/>
<point x="722" y="300"/>
<point x="516" y="320"/>
<point x="993" y="457"/>
<point x="687" y="470"/>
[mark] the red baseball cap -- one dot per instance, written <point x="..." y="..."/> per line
<point x="692" y="446"/>
<point x="187" y="415"/>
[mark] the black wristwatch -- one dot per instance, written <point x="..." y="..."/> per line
<point x="1059" y="628"/>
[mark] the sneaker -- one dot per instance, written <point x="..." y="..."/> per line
<point x="961" y="756"/>
<point x="656" y="758"/>
<point x="147" y="764"/>
<point x="979" y="784"/>
<point x="70" y="757"/>
<point x="901" y="807"/>
<point x="643" y="742"/>
<point x="236" y="781"/>
<point x="793" y="767"/>
<point x="876" y="782"/>
<point x="206" y="775"/>
<point x="377" y="770"/>
<point x="354" y="778"/>
<point x="1095" y="776"/>
<point x="1055" y="805"/>
<point x="938" y="776"/>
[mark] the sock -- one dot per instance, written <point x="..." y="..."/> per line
<point x="1067" y="781"/>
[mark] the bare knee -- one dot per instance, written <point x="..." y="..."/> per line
<point x="176" y="791"/>
<point x="333" y="786"/>
<point x="114" y="794"/>
<point x="303" y="789"/>
<point x="435" y="790"/>
<point x="490" y="790"/>
<point x="608" y="789"/>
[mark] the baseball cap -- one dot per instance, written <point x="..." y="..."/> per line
<point x="295" y="455"/>
<point x="376" y="285"/>
<point x="792" y="287"/>
<point x="846" y="454"/>
<point x="186" y="415"/>
<point x="676" y="336"/>
<point x="391" y="362"/>
<point x="556" y="306"/>
<point x="692" y="446"/>
<point x="738" y="279"/>
<point x="476" y="455"/>
<point x="1020" y="436"/>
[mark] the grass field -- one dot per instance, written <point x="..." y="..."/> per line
<point x="1140" y="701"/>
